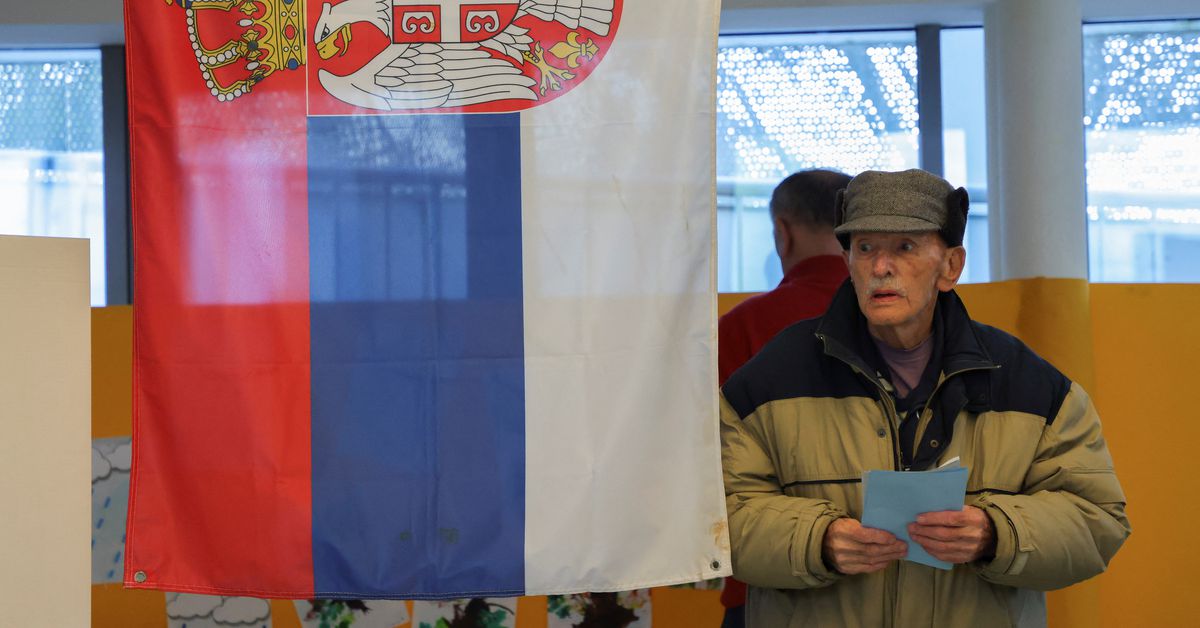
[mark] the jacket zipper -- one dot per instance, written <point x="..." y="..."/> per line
<point x="889" y="407"/>
<point x="893" y="419"/>
<point x="920" y="433"/>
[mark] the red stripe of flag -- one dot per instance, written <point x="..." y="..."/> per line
<point x="221" y="486"/>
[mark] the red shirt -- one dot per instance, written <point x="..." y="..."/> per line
<point x="805" y="292"/>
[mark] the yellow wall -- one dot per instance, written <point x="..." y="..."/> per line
<point x="112" y="368"/>
<point x="1146" y="340"/>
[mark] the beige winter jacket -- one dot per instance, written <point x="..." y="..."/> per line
<point x="809" y="414"/>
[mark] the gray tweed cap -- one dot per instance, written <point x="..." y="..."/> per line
<point x="897" y="202"/>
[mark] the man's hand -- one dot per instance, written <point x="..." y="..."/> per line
<point x="955" y="536"/>
<point x="850" y="548"/>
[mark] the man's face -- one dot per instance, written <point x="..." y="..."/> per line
<point x="897" y="277"/>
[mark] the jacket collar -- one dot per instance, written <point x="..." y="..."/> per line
<point x="843" y="330"/>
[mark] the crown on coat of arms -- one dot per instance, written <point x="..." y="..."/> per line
<point x="258" y="37"/>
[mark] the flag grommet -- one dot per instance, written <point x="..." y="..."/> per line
<point x="139" y="576"/>
<point x="716" y="564"/>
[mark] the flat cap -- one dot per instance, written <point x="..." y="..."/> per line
<point x="900" y="202"/>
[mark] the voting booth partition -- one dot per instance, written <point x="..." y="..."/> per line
<point x="44" y="411"/>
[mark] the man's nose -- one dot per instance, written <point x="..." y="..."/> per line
<point x="881" y="266"/>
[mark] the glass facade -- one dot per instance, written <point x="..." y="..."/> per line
<point x="1142" y="120"/>
<point x="51" y="149"/>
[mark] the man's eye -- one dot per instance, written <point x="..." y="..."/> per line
<point x="864" y="248"/>
<point x="907" y="247"/>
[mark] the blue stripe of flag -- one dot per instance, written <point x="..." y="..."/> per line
<point x="418" y="394"/>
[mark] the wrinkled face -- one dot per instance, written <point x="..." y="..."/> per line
<point x="897" y="277"/>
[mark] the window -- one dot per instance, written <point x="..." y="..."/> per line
<point x="964" y="137"/>
<point x="1142" y="121"/>
<point x="846" y="101"/>
<point x="51" y="153"/>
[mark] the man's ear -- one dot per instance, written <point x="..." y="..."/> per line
<point x="954" y="260"/>
<point x="783" y="237"/>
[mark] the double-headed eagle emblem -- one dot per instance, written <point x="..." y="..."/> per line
<point x="438" y="53"/>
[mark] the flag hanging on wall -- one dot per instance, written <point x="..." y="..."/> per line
<point x="424" y="297"/>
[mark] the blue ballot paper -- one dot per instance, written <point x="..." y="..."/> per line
<point x="893" y="499"/>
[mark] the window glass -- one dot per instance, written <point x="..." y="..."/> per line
<point x="1142" y="121"/>
<point x="964" y="137"/>
<point x="51" y="149"/>
<point x="845" y="101"/>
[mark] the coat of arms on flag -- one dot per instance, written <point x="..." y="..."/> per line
<point x="404" y="55"/>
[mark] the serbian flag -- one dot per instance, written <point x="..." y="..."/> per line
<point x="424" y="297"/>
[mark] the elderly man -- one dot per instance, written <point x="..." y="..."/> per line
<point x="896" y="375"/>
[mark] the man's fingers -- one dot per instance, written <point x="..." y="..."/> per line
<point x="930" y="544"/>
<point x="859" y="554"/>
<point x="874" y="561"/>
<point x="885" y="553"/>
<point x="855" y="558"/>
<point x="951" y="552"/>
<point x="940" y="533"/>
<point x="952" y="518"/>
<point x="881" y="549"/>
<point x="868" y="552"/>
<point x="927" y="542"/>
<point x="854" y="549"/>
<point x="874" y="536"/>
<point x="889" y="557"/>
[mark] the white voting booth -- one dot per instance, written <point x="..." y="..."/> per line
<point x="45" y="442"/>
